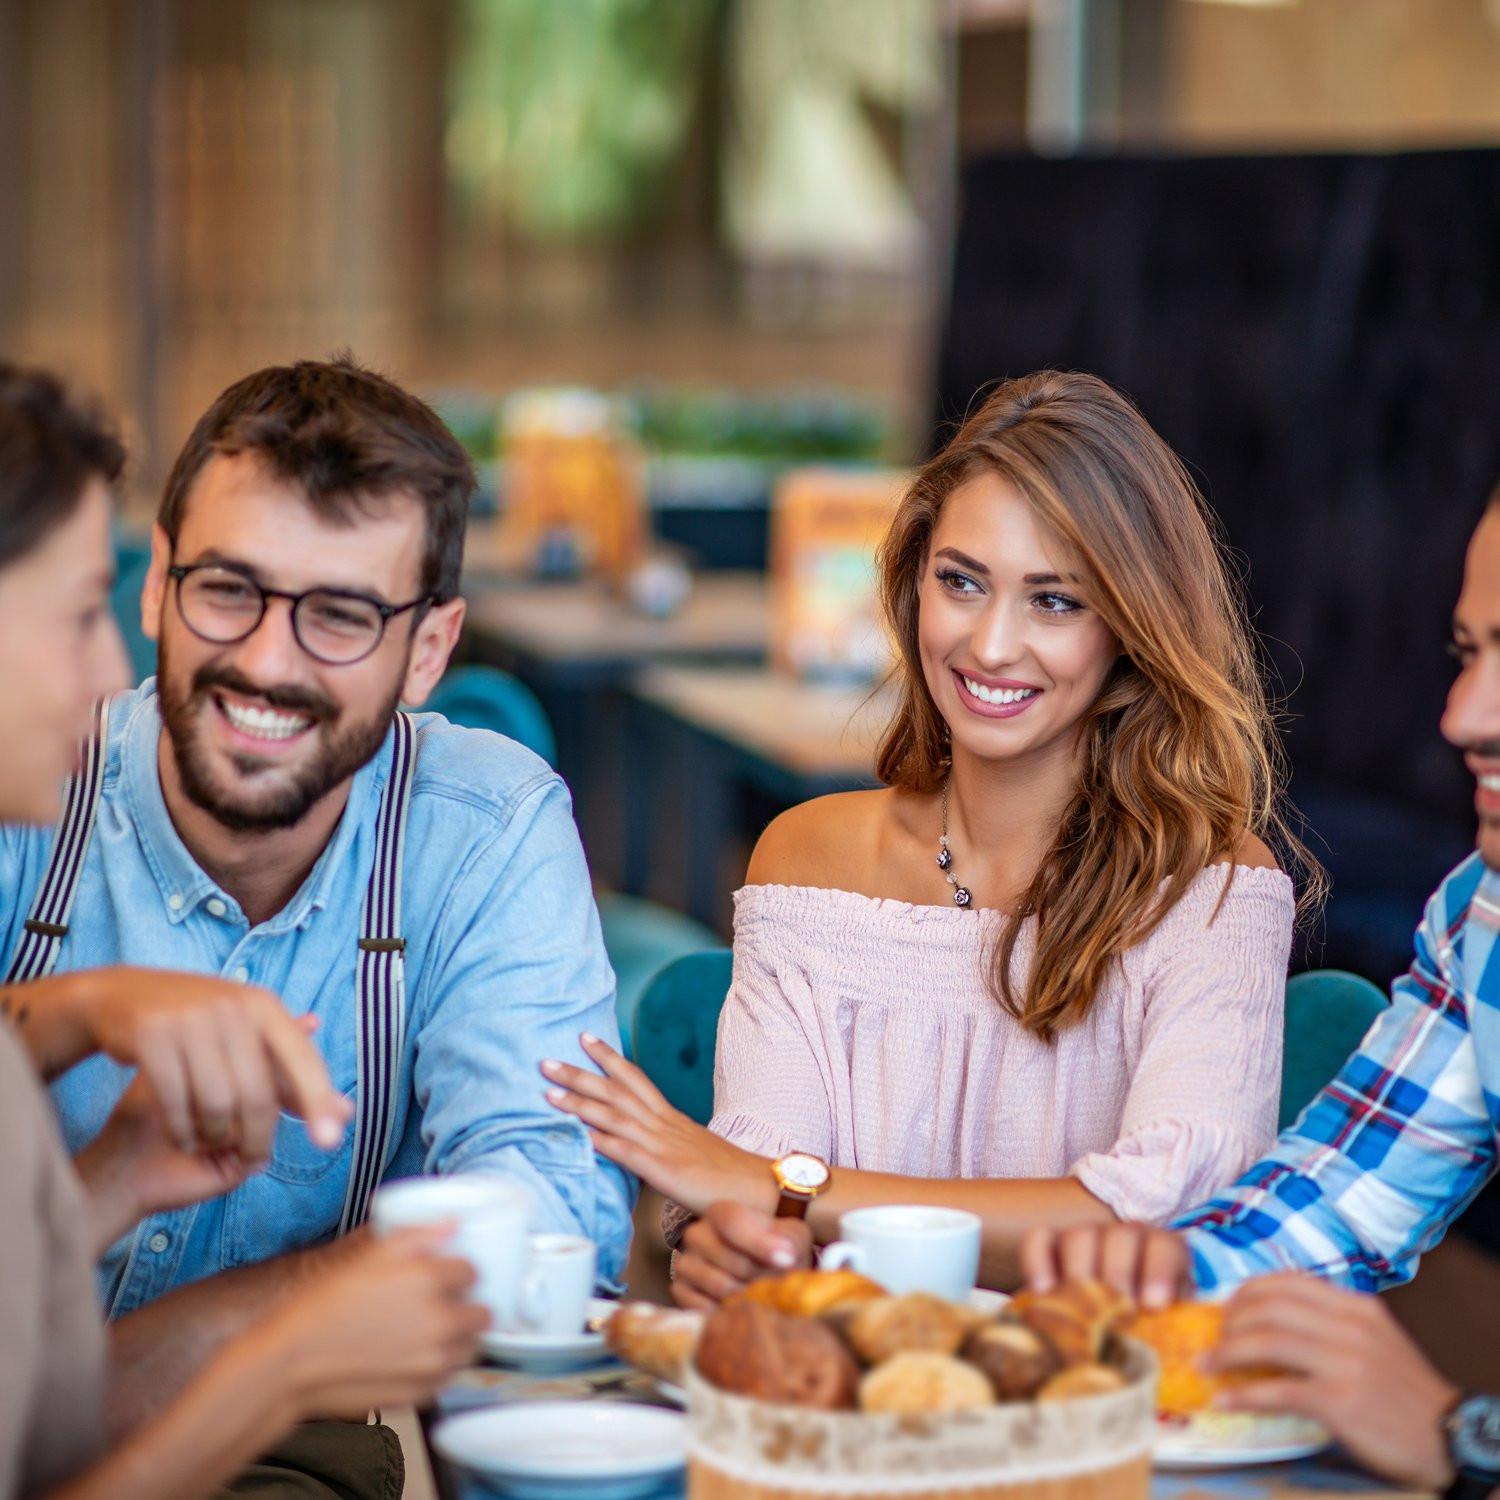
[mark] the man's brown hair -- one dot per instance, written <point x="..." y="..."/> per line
<point x="350" y="439"/>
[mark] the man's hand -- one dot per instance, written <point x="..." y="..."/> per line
<point x="1348" y="1365"/>
<point x="732" y="1245"/>
<point x="133" y="1167"/>
<point x="1151" y="1266"/>
<point x="223" y="1059"/>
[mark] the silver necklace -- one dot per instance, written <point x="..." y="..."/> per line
<point x="962" y="895"/>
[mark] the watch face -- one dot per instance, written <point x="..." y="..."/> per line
<point x="803" y="1172"/>
<point x="1476" y="1433"/>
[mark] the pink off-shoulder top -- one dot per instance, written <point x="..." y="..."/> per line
<point x="861" y="1029"/>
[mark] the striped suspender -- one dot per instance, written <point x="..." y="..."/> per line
<point x="380" y="1023"/>
<point x="47" y="925"/>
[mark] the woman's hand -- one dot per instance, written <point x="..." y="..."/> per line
<point x="630" y="1123"/>
<point x="384" y="1326"/>
<point x="223" y="1059"/>
<point x="731" y="1246"/>
<point x="133" y="1167"/>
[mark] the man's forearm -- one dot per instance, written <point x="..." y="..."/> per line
<point x="157" y="1350"/>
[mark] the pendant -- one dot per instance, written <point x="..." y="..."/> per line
<point x="945" y="857"/>
<point x="962" y="895"/>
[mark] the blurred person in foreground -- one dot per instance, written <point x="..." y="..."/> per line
<point x="385" y="1326"/>
<point x="1014" y="980"/>
<point x="265" y="814"/>
<point x="1376" y="1168"/>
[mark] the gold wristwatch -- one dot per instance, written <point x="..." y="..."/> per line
<point x="800" y="1177"/>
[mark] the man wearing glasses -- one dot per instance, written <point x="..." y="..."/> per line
<point x="263" y="812"/>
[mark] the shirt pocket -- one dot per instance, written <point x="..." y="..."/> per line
<point x="295" y="1200"/>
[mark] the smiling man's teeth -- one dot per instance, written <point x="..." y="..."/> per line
<point x="263" y="723"/>
<point x="1490" y="783"/>
<point x="998" y="695"/>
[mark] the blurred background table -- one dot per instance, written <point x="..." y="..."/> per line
<point x="577" y="646"/>
<point x="722" y="750"/>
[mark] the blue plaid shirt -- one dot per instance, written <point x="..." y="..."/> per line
<point x="1393" y="1150"/>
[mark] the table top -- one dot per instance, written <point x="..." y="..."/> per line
<point x="811" y="729"/>
<point x="726" y="615"/>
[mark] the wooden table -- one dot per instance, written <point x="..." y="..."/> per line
<point x="1313" y="1479"/>
<point x="582" y="629"/>
<point x="722" y="749"/>
<point x="578" y="647"/>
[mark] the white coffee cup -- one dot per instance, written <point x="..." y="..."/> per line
<point x="557" y="1286"/>
<point x="492" y="1215"/>
<point x="909" y="1248"/>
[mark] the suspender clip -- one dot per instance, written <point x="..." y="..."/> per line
<point x="47" y="929"/>
<point x="383" y="945"/>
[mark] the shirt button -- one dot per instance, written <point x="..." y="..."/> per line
<point x="240" y="975"/>
<point x="216" y="908"/>
<point x="175" y="900"/>
<point x="158" y="1242"/>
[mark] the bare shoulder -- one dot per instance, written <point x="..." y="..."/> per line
<point x="826" y="842"/>
<point x="1253" y="854"/>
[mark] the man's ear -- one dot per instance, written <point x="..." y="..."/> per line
<point x="436" y="637"/>
<point x="154" y="592"/>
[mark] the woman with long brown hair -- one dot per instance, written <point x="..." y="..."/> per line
<point x="1039" y="975"/>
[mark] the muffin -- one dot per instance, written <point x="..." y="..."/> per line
<point x="1016" y="1359"/>
<point x="915" y="1383"/>
<point x="754" y="1350"/>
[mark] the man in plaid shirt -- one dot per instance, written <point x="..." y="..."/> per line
<point x="1377" y="1167"/>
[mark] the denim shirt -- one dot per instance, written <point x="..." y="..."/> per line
<point x="505" y="965"/>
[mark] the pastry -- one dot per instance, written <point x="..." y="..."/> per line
<point x="1016" y="1359"/>
<point x="1075" y="1319"/>
<point x="658" y="1340"/>
<point x="811" y="1293"/>
<point x="754" y="1350"/>
<point x="1081" y="1380"/>
<point x="1181" y="1335"/>
<point x="919" y="1382"/>
<point x="915" y="1323"/>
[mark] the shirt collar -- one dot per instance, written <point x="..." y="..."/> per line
<point x="183" y="883"/>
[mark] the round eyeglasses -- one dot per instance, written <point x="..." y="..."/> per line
<point x="224" y="606"/>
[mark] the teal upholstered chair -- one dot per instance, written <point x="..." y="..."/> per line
<point x="132" y="560"/>
<point x="1327" y="1013"/>
<point x="486" y="698"/>
<point x="676" y="1026"/>
<point x="639" y="936"/>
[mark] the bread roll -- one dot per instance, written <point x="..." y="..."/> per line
<point x="916" y="1383"/>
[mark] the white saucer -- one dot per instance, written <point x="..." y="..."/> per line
<point x="549" y="1353"/>
<point x="1237" y="1443"/>
<point x="563" y="1450"/>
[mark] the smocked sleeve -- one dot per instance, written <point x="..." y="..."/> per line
<point x="1204" y="1096"/>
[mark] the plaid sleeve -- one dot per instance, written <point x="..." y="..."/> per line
<point x="1387" y="1156"/>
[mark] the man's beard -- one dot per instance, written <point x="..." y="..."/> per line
<point x="338" y="754"/>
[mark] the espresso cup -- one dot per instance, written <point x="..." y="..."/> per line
<point x="558" y="1285"/>
<point x="492" y="1215"/>
<point x="909" y="1248"/>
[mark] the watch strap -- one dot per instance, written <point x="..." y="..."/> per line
<point x="792" y="1205"/>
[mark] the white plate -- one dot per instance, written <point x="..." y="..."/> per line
<point x="672" y="1392"/>
<point x="1236" y="1441"/>
<point x="981" y="1299"/>
<point x="548" y="1353"/>
<point x="563" y="1450"/>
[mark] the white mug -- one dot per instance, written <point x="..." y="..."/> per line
<point x="493" y="1218"/>
<point x="558" y="1285"/>
<point x="909" y="1248"/>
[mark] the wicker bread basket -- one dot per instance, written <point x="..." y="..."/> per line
<point x="1086" y="1448"/>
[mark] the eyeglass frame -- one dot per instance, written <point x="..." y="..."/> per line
<point x="387" y="612"/>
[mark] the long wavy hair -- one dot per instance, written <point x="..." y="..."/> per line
<point x="1179" y="756"/>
